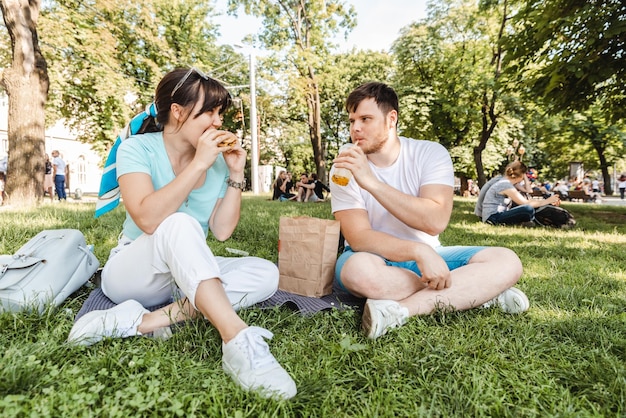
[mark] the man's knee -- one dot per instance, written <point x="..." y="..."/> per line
<point x="509" y="263"/>
<point x="362" y="271"/>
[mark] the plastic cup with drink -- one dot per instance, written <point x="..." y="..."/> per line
<point x="342" y="176"/>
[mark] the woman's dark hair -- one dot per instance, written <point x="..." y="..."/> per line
<point x="384" y="96"/>
<point x="194" y="85"/>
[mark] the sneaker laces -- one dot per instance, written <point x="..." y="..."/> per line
<point x="258" y="350"/>
<point x="394" y="314"/>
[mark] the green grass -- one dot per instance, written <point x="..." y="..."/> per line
<point x="565" y="357"/>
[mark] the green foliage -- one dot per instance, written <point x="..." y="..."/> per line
<point x="101" y="53"/>
<point x="298" y="33"/>
<point x="445" y="68"/>
<point x="564" y="357"/>
<point x="571" y="52"/>
<point x="450" y="87"/>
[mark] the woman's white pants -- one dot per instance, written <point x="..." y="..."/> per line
<point x="154" y="269"/>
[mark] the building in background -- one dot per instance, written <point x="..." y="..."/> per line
<point x="83" y="163"/>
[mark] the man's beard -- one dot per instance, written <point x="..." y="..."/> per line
<point x="375" y="147"/>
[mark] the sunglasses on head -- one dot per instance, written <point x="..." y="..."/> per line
<point x="185" y="77"/>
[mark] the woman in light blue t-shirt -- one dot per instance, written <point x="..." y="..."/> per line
<point x="180" y="179"/>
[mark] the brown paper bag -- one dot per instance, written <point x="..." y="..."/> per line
<point x="307" y="253"/>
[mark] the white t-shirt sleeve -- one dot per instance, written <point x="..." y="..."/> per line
<point x="435" y="164"/>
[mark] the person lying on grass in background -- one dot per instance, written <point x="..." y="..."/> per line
<point x="178" y="182"/>
<point x="391" y="213"/>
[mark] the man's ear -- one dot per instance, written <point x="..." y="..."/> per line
<point x="392" y="119"/>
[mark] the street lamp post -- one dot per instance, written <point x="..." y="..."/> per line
<point x="254" y="156"/>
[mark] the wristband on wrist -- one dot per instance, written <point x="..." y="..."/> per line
<point x="241" y="185"/>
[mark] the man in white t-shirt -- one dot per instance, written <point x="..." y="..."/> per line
<point x="391" y="213"/>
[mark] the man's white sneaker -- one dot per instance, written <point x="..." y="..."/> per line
<point x="247" y="359"/>
<point x="379" y="316"/>
<point x="512" y="301"/>
<point x="120" y="321"/>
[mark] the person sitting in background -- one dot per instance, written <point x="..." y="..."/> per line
<point x="562" y="189"/>
<point x="302" y="186"/>
<point x="279" y="188"/>
<point x="493" y="204"/>
<point x="289" y="186"/>
<point x="539" y="187"/>
<point x="315" y="189"/>
<point x="575" y="184"/>
<point x="587" y="189"/>
<point x="278" y="185"/>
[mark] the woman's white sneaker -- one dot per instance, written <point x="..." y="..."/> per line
<point x="248" y="361"/>
<point x="120" y="321"/>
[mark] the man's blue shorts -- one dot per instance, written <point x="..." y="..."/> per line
<point x="454" y="256"/>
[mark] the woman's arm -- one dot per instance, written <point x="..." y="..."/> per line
<point x="517" y="197"/>
<point x="227" y="211"/>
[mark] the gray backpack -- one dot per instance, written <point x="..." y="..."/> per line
<point x="45" y="271"/>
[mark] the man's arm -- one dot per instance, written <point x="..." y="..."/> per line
<point x="430" y="212"/>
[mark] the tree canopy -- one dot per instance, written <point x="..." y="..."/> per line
<point x="474" y="76"/>
<point x="572" y="52"/>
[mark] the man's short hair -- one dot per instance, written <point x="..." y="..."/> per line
<point x="384" y="96"/>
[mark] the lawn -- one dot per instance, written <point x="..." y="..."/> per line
<point x="565" y="357"/>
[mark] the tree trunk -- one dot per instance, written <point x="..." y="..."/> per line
<point x="26" y="83"/>
<point x="604" y="167"/>
<point x="489" y="116"/>
<point x="606" y="177"/>
<point x="489" y="122"/>
<point x="315" y="127"/>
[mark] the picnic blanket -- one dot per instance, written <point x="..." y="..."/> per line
<point x="339" y="299"/>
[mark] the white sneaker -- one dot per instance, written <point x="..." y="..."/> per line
<point x="247" y="359"/>
<point x="379" y="316"/>
<point x="120" y="321"/>
<point x="512" y="301"/>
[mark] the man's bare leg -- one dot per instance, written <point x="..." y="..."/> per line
<point x="489" y="273"/>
